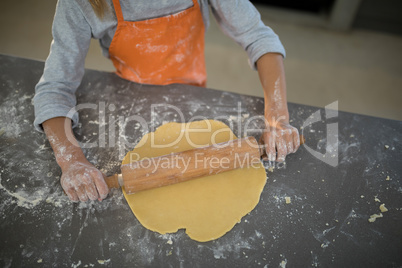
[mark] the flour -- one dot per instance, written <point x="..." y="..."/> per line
<point x="78" y="264"/>
<point x="12" y="119"/>
<point x="235" y="246"/>
<point x="22" y="198"/>
<point x="53" y="201"/>
<point x="277" y="96"/>
<point x="148" y="48"/>
<point x="144" y="245"/>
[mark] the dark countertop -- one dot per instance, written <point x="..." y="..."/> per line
<point x="326" y="224"/>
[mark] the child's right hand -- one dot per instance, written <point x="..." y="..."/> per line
<point x="82" y="181"/>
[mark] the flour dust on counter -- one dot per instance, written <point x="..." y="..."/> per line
<point x="30" y="189"/>
<point x="13" y="120"/>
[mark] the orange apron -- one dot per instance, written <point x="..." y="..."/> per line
<point x="162" y="50"/>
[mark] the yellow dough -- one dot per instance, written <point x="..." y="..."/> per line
<point x="206" y="207"/>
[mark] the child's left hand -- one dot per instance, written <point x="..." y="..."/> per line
<point x="280" y="139"/>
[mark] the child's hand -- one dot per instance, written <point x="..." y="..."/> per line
<point x="82" y="181"/>
<point x="282" y="138"/>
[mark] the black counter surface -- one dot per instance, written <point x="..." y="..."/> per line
<point x="326" y="224"/>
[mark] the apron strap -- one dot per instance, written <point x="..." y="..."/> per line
<point x="117" y="10"/>
<point x="195" y="3"/>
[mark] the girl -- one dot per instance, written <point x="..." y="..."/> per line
<point x="152" y="42"/>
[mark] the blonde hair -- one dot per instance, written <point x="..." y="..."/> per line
<point x="100" y="7"/>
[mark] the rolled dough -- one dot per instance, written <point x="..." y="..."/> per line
<point x="206" y="207"/>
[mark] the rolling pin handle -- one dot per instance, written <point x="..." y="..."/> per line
<point x="113" y="181"/>
<point x="302" y="139"/>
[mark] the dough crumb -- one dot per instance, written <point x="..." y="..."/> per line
<point x="376" y="199"/>
<point x="170" y="242"/>
<point x="103" y="261"/>
<point x="386" y="146"/>
<point x="287" y="200"/>
<point x="388" y="178"/>
<point x="40" y="261"/>
<point x="325" y="245"/>
<point x="383" y="208"/>
<point x="374" y="217"/>
<point x="271" y="169"/>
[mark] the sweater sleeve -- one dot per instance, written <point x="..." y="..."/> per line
<point x="65" y="65"/>
<point x="241" y="21"/>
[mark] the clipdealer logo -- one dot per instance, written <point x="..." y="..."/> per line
<point x="194" y="161"/>
<point x="112" y="128"/>
<point x="331" y="154"/>
<point x="256" y="124"/>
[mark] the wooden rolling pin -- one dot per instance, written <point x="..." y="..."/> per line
<point x="183" y="166"/>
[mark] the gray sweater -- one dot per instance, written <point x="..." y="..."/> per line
<point x="75" y="23"/>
